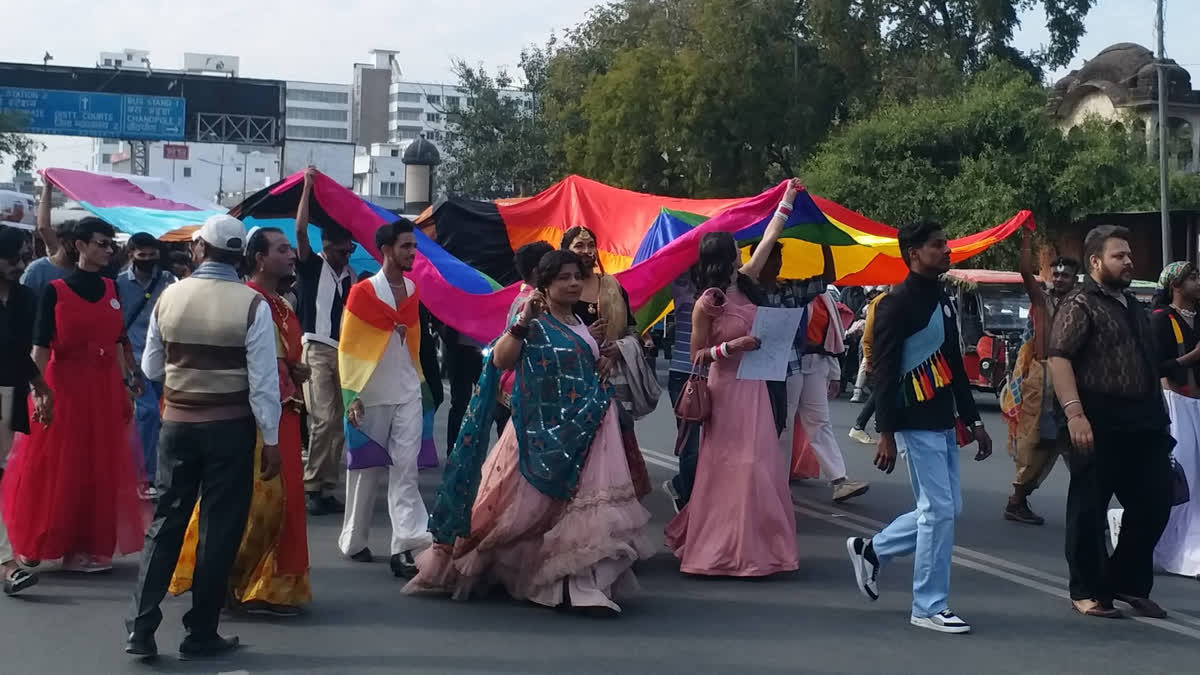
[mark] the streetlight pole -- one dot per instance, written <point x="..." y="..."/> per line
<point x="1163" y="183"/>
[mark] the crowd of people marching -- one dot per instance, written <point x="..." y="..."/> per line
<point x="228" y="390"/>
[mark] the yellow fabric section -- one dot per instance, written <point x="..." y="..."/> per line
<point x="355" y="372"/>
<point x="253" y="578"/>
<point x="366" y="343"/>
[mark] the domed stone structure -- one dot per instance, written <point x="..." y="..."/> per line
<point x="420" y="158"/>
<point x="1121" y="82"/>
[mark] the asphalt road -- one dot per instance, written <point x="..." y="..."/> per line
<point x="1009" y="582"/>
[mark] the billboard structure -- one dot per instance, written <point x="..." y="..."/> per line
<point x="144" y="105"/>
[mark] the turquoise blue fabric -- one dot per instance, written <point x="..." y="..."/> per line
<point x="558" y="404"/>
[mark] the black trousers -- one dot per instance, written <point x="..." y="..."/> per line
<point x="214" y="461"/>
<point x="865" y="414"/>
<point x="464" y="364"/>
<point x="687" y="440"/>
<point x="1135" y="466"/>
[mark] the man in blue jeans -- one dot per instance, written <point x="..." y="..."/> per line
<point x="140" y="286"/>
<point x="921" y="390"/>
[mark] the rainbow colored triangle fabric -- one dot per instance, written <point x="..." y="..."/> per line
<point x="465" y="248"/>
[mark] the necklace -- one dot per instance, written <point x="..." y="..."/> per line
<point x="571" y="320"/>
<point x="1188" y="314"/>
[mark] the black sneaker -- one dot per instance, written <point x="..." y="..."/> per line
<point x="1021" y="513"/>
<point x="199" y="648"/>
<point x="315" y="504"/>
<point x="142" y="646"/>
<point x="363" y="556"/>
<point x="866" y="566"/>
<point x="404" y="565"/>
<point x="669" y="488"/>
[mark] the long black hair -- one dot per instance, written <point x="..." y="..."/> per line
<point x="569" y="238"/>
<point x="719" y="259"/>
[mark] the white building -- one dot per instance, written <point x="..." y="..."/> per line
<point x="379" y="174"/>
<point x="226" y="174"/>
<point x="317" y="111"/>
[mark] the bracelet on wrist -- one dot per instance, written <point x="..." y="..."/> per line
<point x="518" y="331"/>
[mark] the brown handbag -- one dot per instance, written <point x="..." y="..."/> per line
<point x="694" y="403"/>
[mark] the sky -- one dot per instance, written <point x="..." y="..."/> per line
<point x="305" y="40"/>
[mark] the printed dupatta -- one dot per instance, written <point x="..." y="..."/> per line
<point x="558" y="405"/>
<point x="924" y="369"/>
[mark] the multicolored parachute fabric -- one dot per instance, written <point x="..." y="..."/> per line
<point x="133" y="203"/>
<point x="465" y="248"/>
<point x="633" y="228"/>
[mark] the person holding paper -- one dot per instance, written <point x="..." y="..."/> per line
<point x="814" y="374"/>
<point x="739" y="520"/>
<point x="922" y="399"/>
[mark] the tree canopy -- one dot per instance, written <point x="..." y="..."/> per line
<point x="17" y="149"/>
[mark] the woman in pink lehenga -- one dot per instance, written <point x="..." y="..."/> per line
<point x="555" y="520"/>
<point x="739" y="521"/>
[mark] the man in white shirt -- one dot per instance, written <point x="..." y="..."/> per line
<point x="387" y="410"/>
<point x="211" y="342"/>
<point x="324" y="281"/>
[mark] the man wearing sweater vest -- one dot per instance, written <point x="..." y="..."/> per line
<point x="211" y="342"/>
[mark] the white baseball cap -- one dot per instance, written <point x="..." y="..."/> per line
<point x="223" y="232"/>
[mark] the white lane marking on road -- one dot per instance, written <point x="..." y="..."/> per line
<point x="971" y="559"/>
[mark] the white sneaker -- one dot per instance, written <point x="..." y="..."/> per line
<point x="858" y="396"/>
<point x="861" y="436"/>
<point x="849" y="489"/>
<point x="942" y="622"/>
<point x="865" y="572"/>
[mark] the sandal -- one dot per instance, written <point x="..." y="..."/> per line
<point x="1093" y="608"/>
<point x="18" y="580"/>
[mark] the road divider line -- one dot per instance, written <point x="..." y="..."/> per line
<point x="1016" y="573"/>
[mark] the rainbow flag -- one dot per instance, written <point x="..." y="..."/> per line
<point x="133" y="203"/>
<point x="368" y="323"/>
<point x="647" y="241"/>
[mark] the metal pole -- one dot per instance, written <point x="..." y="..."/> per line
<point x="1162" y="141"/>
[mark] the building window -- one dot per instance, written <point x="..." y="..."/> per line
<point x="435" y="135"/>
<point x="187" y="172"/>
<point x="325" y="133"/>
<point x="433" y="117"/>
<point x="259" y="169"/>
<point x="395" y="153"/>
<point x="452" y="102"/>
<point x="407" y="114"/>
<point x="391" y="189"/>
<point x="470" y="101"/>
<point x="406" y="133"/>
<point x="313" y="96"/>
<point x="106" y="158"/>
<point x="406" y="97"/>
<point x="317" y="114"/>
<point x="434" y="100"/>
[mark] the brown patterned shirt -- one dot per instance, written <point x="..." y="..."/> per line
<point x="1109" y="346"/>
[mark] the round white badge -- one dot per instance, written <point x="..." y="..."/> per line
<point x="115" y="303"/>
<point x="946" y="310"/>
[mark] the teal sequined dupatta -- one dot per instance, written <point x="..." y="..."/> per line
<point x="558" y="403"/>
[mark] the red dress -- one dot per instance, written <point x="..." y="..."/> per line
<point x="72" y="487"/>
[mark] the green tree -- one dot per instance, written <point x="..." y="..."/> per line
<point x="688" y="97"/>
<point x="16" y="148"/>
<point x="974" y="159"/>
<point x="497" y="144"/>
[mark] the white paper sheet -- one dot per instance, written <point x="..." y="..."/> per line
<point x="776" y="328"/>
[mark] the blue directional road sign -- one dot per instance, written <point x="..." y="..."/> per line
<point x="102" y="115"/>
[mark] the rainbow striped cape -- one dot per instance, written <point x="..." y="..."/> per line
<point x="368" y="323"/>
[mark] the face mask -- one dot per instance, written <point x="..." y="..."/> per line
<point x="145" y="265"/>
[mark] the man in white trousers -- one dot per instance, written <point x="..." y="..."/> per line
<point x="813" y="370"/>
<point x="386" y="414"/>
